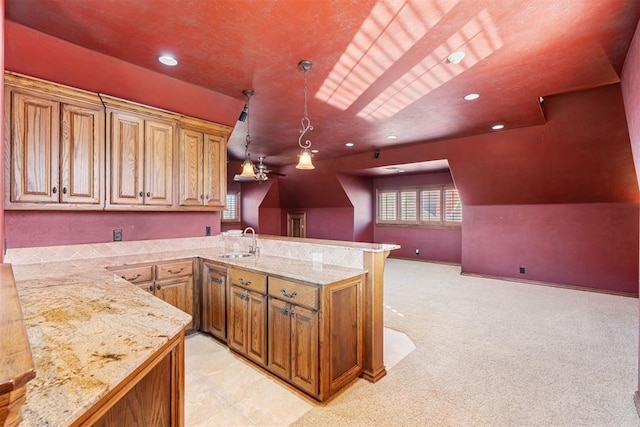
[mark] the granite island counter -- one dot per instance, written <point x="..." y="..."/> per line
<point x="90" y="331"/>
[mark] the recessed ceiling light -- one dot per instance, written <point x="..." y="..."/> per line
<point x="497" y="127"/>
<point x="314" y="151"/>
<point x="471" y="96"/>
<point x="168" y="60"/>
<point x="392" y="137"/>
<point x="456" y="57"/>
<point x="349" y="144"/>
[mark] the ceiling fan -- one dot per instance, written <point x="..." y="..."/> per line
<point x="262" y="173"/>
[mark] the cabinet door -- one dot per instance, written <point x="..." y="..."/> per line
<point x="304" y="348"/>
<point x="146" y="286"/>
<point x="257" y="323"/>
<point x="158" y="156"/>
<point x="191" y="165"/>
<point x="215" y="172"/>
<point x="279" y="337"/>
<point x="214" y="301"/>
<point x="238" y="319"/>
<point x="127" y="159"/>
<point x="82" y="145"/>
<point x="35" y="144"/>
<point x="179" y="293"/>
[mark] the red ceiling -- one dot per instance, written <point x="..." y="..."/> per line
<point x="380" y="66"/>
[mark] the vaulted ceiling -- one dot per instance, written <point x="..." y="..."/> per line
<point x="380" y="67"/>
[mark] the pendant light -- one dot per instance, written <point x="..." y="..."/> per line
<point x="304" y="161"/>
<point x="248" y="169"/>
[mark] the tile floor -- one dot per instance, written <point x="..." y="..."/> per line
<point x="222" y="389"/>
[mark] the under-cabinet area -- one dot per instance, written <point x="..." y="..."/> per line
<point x="308" y="335"/>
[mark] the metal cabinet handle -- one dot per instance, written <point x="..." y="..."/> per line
<point x="151" y="288"/>
<point x="286" y="295"/>
<point x="284" y="311"/>
<point x="64" y="190"/>
<point x="129" y="279"/>
<point x="158" y="287"/>
<point x="54" y="190"/>
<point x="148" y="194"/>
<point x="141" y="194"/>
<point x="202" y="196"/>
<point x="176" y="271"/>
<point x="244" y="296"/>
<point x="218" y="280"/>
<point x="242" y="282"/>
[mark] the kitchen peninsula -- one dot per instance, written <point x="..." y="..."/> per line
<point x="91" y="331"/>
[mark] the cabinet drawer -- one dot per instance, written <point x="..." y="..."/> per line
<point x="135" y="274"/>
<point x="294" y="292"/>
<point x="169" y="270"/>
<point x="248" y="280"/>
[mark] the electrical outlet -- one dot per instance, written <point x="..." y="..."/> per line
<point x="117" y="235"/>
<point x="417" y="251"/>
<point x="207" y="231"/>
<point x="521" y="269"/>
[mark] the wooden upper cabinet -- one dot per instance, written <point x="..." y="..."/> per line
<point x="54" y="146"/>
<point x="141" y="143"/>
<point x="202" y="165"/>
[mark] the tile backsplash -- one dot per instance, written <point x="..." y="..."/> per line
<point x="341" y="255"/>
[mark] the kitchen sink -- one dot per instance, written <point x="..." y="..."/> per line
<point x="236" y="255"/>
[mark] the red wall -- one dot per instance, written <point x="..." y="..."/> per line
<point x="39" y="55"/>
<point x="587" y="244"/>
<point x="37" y="228"/>
<point x="360" y="193"/>
<point x="630" y="83"/>
<point x="325" y="223"/>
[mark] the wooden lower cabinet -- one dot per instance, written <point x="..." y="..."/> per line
<point x="214" y="300"/>
<point x="247" y="324"/>
<point x="293" y="344"/>
<point x="153" y="395"/>
<point x="171" y="281"/>
<point x="314" y="334"/>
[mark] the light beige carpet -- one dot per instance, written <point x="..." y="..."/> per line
<point x="496" y="353"/>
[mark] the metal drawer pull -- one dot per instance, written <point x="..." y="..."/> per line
<point x="55" y="190"/>
<point x="284" y="311"/>
<point x="176" y="271"/>
<point x="218" y="280"/>
<point x="64" y="190"/>
<point x="158" y="287"/>
<point x="151" y="288"/>
<point x="242" y="282"/>
<point x="286" y="295"/>
<point x="129" y="279"/>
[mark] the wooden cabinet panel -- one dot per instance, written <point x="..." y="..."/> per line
<point x="82" y="145"/>
<point x="179" y="293"/>
<point x="214" y="300"/>
<point x="202" y="168"/>
<point x="279" y="338"/>
<point x="294" y="292"/>
<point x="304" y="349"/>
<point x="237" y="328"/>
<point x="250" y="280"/>
<point x="127" y="158"/>
<point x="257" y="324"/>
<point x="169" y="270"/>
<point x="293" y="344"/>
<point x="191" y="168"/>
<point x="215" y="172"/>
<point x="158" y="182"/>
<point x="34" y="151"/>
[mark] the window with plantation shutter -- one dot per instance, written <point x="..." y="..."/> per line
<point x="453" y="207"/>
<point x="408" y="206"/>
<point x="231" y="211"/>
<point x="432" y="206"/>
<point x="387" y="206"/>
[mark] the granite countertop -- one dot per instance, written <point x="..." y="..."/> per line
<point x="89" y="329"/>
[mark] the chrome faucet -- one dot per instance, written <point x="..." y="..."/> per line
<point x="253" y="249"/>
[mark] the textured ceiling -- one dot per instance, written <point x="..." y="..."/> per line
<point x="380" y="66"/>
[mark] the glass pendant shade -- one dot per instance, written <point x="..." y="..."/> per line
<point x="304" y="161"/>
<point x="248" y="170"/>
